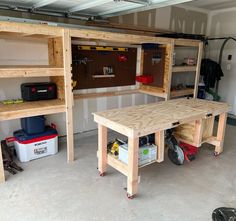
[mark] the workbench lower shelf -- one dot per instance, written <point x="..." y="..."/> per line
<point x="117" y="164"/>
<point x="29" y="109"/>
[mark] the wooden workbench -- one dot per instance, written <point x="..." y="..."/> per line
<point x="142" y="120"/>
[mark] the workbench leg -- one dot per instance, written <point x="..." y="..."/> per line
<point x="102" y="149"/>
<point x="221" y="133"/>
<point x="197" y="138"/>
<point x="2" y="174"/>
<point x="132" y="179"/>
<point x="160" y="142"/>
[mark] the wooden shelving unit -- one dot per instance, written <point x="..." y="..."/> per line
<point x="165" y="91"/>
<point x="59" y="71"/>
<point x="187" y="43"/>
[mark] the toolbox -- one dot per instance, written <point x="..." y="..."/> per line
<point x="147" y="154"/>
<point x="30" y="147"/>
<point x="38" y="91"/>
<point x="33" y="125"/>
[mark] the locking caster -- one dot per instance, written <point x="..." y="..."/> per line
<point x="129" y="196"/>
<point x="102" y="174"/>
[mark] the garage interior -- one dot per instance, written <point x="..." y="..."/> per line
<point x="111" y="60"/>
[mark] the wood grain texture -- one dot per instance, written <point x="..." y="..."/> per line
<point x="102" y="148"/>
<point x="114" y="162"/>
<point x="184" y="68"/>
<point x="117" y="37"/>
<point x="29" y="109"/>
<point x="35" y="30"/>
<point x="190" y="131"/>
<point x="221" y="132"/>
<point x="154" y="91"/>
<point x="105" y="94"/>
<point x="69" y="100"/>
<point x="195" y="135"/>
<point x="168" y="69"/>
<point x="55" y="58"/>
<point x="181" y="93"/>
<point x="133" y="155"/>
<point x="144" y="119"/>
<point x="199" y="61"/>
<point x="30" y="71"/>
<point x="160" y="142"/>
<point x="198" y="131"/>
<point x="208" y="125"/>
<point x="187" y="42"/>
<point x="209" y="107"/>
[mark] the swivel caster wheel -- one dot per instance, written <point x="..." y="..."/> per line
<point x="129" y="196"/>
<point x="102" y="174"/>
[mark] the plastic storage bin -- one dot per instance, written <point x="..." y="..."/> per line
<point x="145" y="79"/>
<point x="147" y="154"/>
<point x="33" y="125"/>
<point x="30" y="147"/>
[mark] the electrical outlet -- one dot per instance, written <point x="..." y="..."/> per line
<point x="228" y="67"/>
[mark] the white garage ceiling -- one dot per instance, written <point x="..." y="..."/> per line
<point x="92" y="8"/>
<point x="213" y="4"/>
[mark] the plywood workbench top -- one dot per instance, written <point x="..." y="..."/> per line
<point x="141" y="120"/>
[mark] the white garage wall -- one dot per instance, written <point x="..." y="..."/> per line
<point x="222" y="24"/>
<point x="174" y="18"/>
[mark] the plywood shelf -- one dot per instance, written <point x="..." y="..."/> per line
<point x="114" y="162"/>
<point x="28" y="109"/>
<point x="30" y="71"/>
<point x="183" y="92"/>
<point x="105" y="94"/>
<point x="186" y="42"/>
<point x="154" y="91"/>
<point x="210" y="140"/>
<point x="184" y="68"/>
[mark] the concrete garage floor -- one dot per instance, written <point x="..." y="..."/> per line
<point x="51" y="189"/>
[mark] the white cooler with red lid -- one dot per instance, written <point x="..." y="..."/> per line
<point x="30" y="147"/>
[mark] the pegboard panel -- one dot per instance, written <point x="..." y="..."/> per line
<point x="89" y="66"/>
<point x="154" y="64"/>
